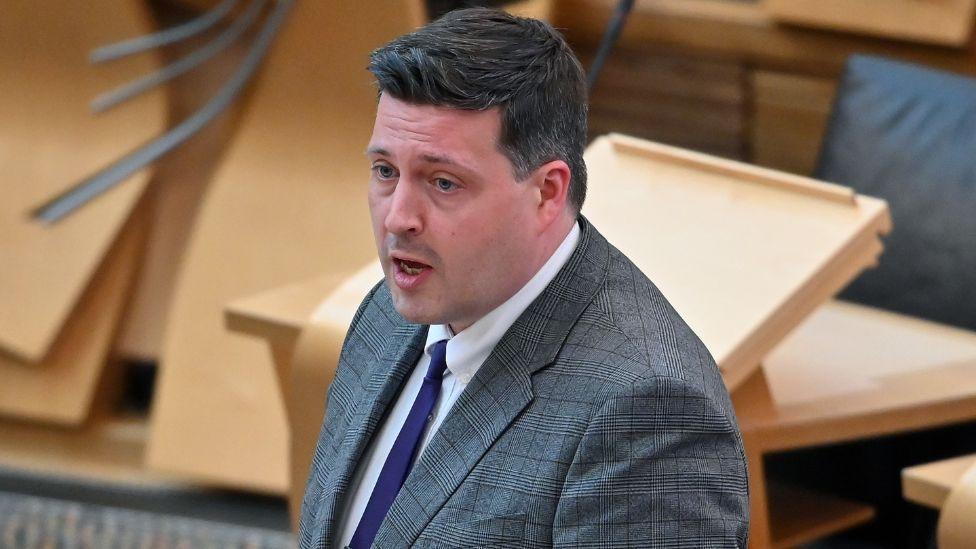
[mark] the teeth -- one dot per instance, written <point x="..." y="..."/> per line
<point x="410" y="270"/>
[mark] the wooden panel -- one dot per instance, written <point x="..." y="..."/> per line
<point x="744" y="31"/>
<point x="49" y="140"/>
<point x="937" y="21"/>
<point x="60" y="388"/>
<point x="851" y="371"/>
<point x="683" y="101"/>
<point x="790" y="115"/>
<point x="763" y="247"/>
<point x="930" y="484"/>
<point x="288" y="202"/>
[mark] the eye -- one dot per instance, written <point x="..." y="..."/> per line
<point x="384" y="171"/>
<point x="445" y="185"/>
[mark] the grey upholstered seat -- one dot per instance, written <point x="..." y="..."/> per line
<point x="908" y="134"/>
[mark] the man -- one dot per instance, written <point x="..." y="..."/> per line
<point x="516" y="381"/>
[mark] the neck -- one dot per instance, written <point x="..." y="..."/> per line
<point x="548" y="242"/>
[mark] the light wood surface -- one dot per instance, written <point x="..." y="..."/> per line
<point x="929" y="484"/>
<point x="743" y="31"/>
<point x="948" y="22"/>
<point x="61" y="387"/>
<point x="764" y="247"/>
<point x="109" y="451"/>
<point x="48" y="141"/>
<point x="851" y="371"/>
<point x="790" y="114"/>
<point x="956" y="528"/>
<point x="280" y="314"/>
<point x="287" y="203"/>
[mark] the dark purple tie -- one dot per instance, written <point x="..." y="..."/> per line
<point x="404" y="450"/>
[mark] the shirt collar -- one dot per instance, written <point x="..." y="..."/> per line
<point x="469" y="349"/>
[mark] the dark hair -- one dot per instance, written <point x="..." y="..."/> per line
<point x="479" y="58"/>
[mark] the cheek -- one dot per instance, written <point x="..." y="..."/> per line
<point x="377" y="209"/>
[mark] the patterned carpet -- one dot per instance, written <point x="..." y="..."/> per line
<point x="28" y="522"/>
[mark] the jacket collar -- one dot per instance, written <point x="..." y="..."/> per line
<point x="499" y="391"/>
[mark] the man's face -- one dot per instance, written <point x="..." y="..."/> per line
<point x="455" y="232"/>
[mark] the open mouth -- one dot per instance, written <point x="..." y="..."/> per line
<point x="412" y="268"/>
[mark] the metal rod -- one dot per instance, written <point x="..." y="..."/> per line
<point x="168" y="36"/>
<point x="112" y="98"/>
<point x="614" y="27"/>
<point x="96" y="184"/>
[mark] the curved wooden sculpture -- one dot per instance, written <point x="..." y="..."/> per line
<point x="63" y="288"/>
<point x="49" y="141"/>
<point x="287" y="203"/>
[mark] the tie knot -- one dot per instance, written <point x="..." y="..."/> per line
<point x="438" y="361"/>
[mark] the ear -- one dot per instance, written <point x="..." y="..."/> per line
<point x="552" y="181"/>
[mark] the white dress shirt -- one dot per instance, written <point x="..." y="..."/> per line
<point x="466" y="352"/>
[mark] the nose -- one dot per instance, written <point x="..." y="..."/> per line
<point x="406" y="213"/>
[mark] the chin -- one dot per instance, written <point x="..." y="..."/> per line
<point x="411" y="311"/>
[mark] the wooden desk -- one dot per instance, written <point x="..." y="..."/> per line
<point x="849" y="372"/>
<point x="950" y="486"/>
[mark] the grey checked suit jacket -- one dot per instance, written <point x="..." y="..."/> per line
<point x="599" y="420"/>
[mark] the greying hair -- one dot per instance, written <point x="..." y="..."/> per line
<point x="479" y="58"/>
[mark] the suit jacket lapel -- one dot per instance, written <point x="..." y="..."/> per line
<point x="386" y="379"/>
<point x="498" y="393"/>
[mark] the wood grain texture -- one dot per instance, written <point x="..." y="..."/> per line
<point x="49" y="141"/>
<point x="789" y="117"/>
<point x="948" y="22"/>
<point x="745" y="32"/>
<point x="288" y="202"/>
<point x="681" y="100"/>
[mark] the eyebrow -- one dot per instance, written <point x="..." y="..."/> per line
<point x="432" y="158"/>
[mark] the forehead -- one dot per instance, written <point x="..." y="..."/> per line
<point x="400" y="124"/>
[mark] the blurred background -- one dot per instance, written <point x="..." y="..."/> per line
<point x="149" y="184"/>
